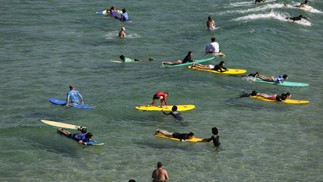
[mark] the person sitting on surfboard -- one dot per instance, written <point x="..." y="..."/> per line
<point x="81" y="138"/>
<point x="279" y="80"/>
<point x="161" y="96"/>
<point x="124" y="15"/>
<point x="303" y="4"/>
<point x="181" y="136"/>
<point x="213" y="47"/>
<point x="73" y="96"/>
<point x="175" y="114"/>
<point x="210" y="24"/>
<point x="275" y="97"/>
<point x="215" y="137"/>
<point x="122" y="33"/>
<point x="296" y="18"/>
<point x="188" y="58"/>
<point x="219" y="67"/>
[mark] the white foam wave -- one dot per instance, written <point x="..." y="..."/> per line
<point x="272" y="15"/>
<point x="260" y="8"/>
<point x="114" y="35"/>
<point x="248" y="3"/>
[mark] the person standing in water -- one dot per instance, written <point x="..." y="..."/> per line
<point x="159" y="174"/>
<point x="175" y="114"/>
<point x="215" y="137"/>
<point x="210" y="24"/>
<point x="122" y="33"/>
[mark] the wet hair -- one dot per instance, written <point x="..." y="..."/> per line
<point x="285" y="76"/>
<point x="122" y="57"/>
<point x="71" y="87"/>
<point x="213" y="39"/>
<point x="254" y="93"/>
<point x="190" y="134"/>
<point x="159" y="164"/>
<point x="174" y="108"/>
<point x="209" y="18"/>
<point x="283" y="97"/>
<point x="306" y="1"/>
<point x="132" y="180"/>
<point x="215" y="131"/>
<point x="124" y="10"/>
<point x="221" y="63"/>
<point x="83" y="130"/>
<point x="89" y="135"/>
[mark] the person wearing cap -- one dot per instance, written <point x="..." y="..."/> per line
<point x="159" y="174"/>
<point x="73" y="96"/>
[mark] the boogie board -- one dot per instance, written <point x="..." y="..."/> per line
<point x="188" y="63"/>
<point x="229" y="72"/>
<point x="166" y="108"/>
<point x="287" y="101"/>
<point x="62" y="103"/>
<point x="92" y="142"/>
<point x="285" y="83"/>
<point x="61" y="125"/>
<point x="194" y="139"/>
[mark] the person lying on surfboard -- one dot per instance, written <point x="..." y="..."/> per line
<point x="82" y="138"/>
<point x="188" y="58"/>
<point x="213" y="48"/>
<point x="114" y="12"/>
<point x="275" y="97"/>
<point x="296" y="18"/>
<point x="215" y="137"/>
<point x="73" y="96"/>
<point x="280" y="79"/>
<point x="210" y="24"/>
<point x="219" y="67"/>
<point x="175" y="114"/>
<point x="162" y="98"/>
<point x="181" y="136"/>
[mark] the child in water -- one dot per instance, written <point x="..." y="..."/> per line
<point x="175" y="114"/>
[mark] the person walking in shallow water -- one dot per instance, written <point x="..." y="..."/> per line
<point x="122" y="33"/>
<point x="160" y="174"/>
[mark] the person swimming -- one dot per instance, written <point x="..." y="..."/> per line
<point x="296" y="18"/>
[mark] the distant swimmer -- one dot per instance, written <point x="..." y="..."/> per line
<point x="180" y="136"/>
<point x="297" y="18"/>
<point x="122" y="33"/>
<point x="73" y="96"/>
<point x="188" y="58"/>
<point x="160" y="174"/>
<point x="280" y="79"/>
<point x="219" y="67"/>
<point x="124" y="15"/>
<point x="215" y="137"/>
<point x="275" y="97"/>
<point x="127" y="60"/>
<point x="259" y="1"/>
<point x="81" y="138"/>
<point x="213" y="48"/>
<point x="303" y="4"/>
<point x="210" y="24"/>
<point x="161" y="96"/>
<point x="175" y="114"/>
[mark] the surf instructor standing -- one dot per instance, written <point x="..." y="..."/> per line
<point x="73" y="96"/>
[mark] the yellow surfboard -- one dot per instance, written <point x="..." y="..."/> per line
<point x="194" y="139"/>
<point x="287" y="101"/>
<point x="228" y="72"/>
<point x="60" y="125"/>
<point x="165" y="108"/>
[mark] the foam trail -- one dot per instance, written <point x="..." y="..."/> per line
<point x="248" y="3"/>
<point x="307" y="8"/>
<point x="261" y="8"/>
<point x="272" y="15"/>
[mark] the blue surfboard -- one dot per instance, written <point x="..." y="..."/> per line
<point x="62" y="103"/>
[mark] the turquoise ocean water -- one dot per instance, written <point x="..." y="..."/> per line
<point x="48" y="45"/>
